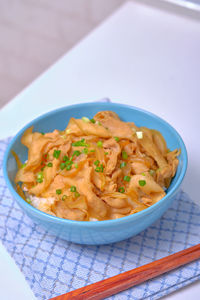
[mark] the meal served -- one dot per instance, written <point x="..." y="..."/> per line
<point x="96" y="169"/>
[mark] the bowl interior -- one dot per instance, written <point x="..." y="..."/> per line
<point x="58" y="119"/>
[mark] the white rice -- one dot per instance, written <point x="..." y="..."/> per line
<point x="37" y="201"/>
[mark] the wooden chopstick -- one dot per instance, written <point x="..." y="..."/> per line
<point x="123" y="281"/>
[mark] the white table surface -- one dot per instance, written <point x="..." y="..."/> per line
<point x="147" y="55"/>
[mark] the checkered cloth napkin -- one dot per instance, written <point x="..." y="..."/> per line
<point x="53" y="266"/>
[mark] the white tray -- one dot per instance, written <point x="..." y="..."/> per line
<point x="146" y="54"/>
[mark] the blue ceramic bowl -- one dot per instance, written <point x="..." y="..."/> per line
<point x="103" y="232"/>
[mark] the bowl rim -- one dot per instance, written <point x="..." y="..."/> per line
<point x="96" y="224"/>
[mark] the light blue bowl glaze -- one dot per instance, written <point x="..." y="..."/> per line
<point x="103" y="232"/>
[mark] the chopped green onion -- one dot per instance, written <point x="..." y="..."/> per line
<point x="68" y="167"/>
<point x="62" y="166"/>
<point x="80" y="143"/>
<point x="42" y="133"/>
<point x="142" y="182"/>
<point x="98" y="123"/>
<point x="93" y="150"/>
<point x="92" y="121"/>
<point x="116" y="138"/>
<point x="64" y="197"/>
<point x="76" y="165"/>
<point x="40" y="177"/>
<point x="143" y="174"/>
<point x="85" y="150"/>
<point x="23" y="165"/>
<point x="49" y="165"/>
<point x="28" y="200"/>
<point x="65" y="158"/>
<point x="58" y="192"/>
<point x="73" y="188"/>
<point x="76" y="194"/>
<point x="106" y="153"/>
<point x="99" y="168"/>
<point x="69" y="162"/>
<point x="96" y="163"/>
<point x="123" y="164"/>
<point x="85" y="119"/>
<point x="127" y="178"/>
<point x="100" y="144"/>
<point x="42" y="169"/>
<point x="77" y="153"/>
<point x="121" y="189"/>
<point x="151" y="172"/>
<point x="139" y="134"/>
<point x="124" y="155"/>
<point x="56" y="153"/>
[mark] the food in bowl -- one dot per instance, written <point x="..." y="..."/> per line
<point x="96" y="169"/>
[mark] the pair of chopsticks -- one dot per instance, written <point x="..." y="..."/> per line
<point x="123" y="281"/>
